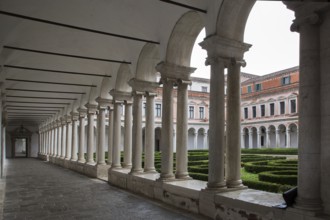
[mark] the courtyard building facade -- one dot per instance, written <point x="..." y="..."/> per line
<point x="64" y="73"/>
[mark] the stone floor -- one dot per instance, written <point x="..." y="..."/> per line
<point x="38" y="190"/>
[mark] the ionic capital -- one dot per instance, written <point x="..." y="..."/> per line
<point x="91" y="108"/>
<point x="103" y="103"/>
<point x="141" y="85"/>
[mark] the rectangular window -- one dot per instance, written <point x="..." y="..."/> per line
<point x="258" y="87"/>
<point x="282" y="108"/>
<point x="201" y="113"/>
<point x="262" y="110"/>
<point x="293" y="106"/>
<point x="246" y="113"/>
<point x="158" y="110"/>
<point x="249" y="88"/>
<point x="286" y="80"/>
<point x="254" y="111"/>
<point x="204" y="88"/>
<point x="191" y="112"/>
<point x="272" y="109"/>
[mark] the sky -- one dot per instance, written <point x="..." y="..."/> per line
<point x="274" y="46"/>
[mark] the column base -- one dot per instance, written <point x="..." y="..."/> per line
<point x="62" y="157"/>
<point x="183" y="176"/>
<point x="101" y="163"/>
<point x="82" y="161"/>
<point x="150" y="170"/>
<point x="135" y="172"/>
<point x="216" y="186"/>
<point x="308" y="205"/>
<point x="73" y="160"/>
<point x="115" y="166"/>
<point x="90" y="163"/>
<point x="127" y="166"/>
<point x="166" y="177"/>
<point x="235" y="184"/>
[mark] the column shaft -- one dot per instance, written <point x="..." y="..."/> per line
<point x="137" y="133"/>
<point x="288" y="138"/>
<point x="74" y="139"/>
<point x="90" y="139"/>
<point x="233" y="153"/>
<point x="149" y="158"/>
<point x="110" y="137"/>
<point x="167" y="131"/>
<point x="128" y="136"/>
<point x="116" y="136"/>
<point x="63" y="140"/>
<point x="101" y="137"/>
<point x="68" y="141"/>
<point x="278" y="140"/>
<point x="250" y="139"/>
<point x="309" y="175"/>
<point x="182" y="132"/>
<point x="216" y="126"/>
<point x="59" y="132"/>
<point x="81" y="144"/>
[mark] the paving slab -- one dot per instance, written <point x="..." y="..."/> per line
<point x="39" y="190"/>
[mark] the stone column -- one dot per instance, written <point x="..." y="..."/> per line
<point x="217" y="125"/>
<point x="309" y="154"/>
<point x="91" y="109"/>
<point x="63" y="121"/>
<point x="288" y="138"/>
<point x="137" y="133"/>
<point x="166" y="141"/>
<point x="59" y="132"/>
<point x="81" y="144"/>
<point x="128" y="135"/>
<point x="278" y="140"/>
<point x="233" y="151"/>
<point x="251" y="139"/>
<point x="68" y="138"/>
<point x="259" y="139"/>
<point x="101" y="135"/>
<point x="267" y="138"/>
<point x="110" y="136"/>
<point x="49" y="140"/>
<point x="149" y="157"/>
<point x="74" y="117"/>
<point x="116" y="135"/>
<point x="3" y="145"/>
<point x="182" y="131"/>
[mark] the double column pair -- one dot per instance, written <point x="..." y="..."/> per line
<point x="172" y="75"/>
<point x="224" y="53"/>
<point x="137" y="132"/>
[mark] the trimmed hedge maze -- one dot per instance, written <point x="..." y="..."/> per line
<point x="262" y="172"/>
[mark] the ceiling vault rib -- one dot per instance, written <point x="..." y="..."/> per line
<point x="184" y="5"/>
<point x="38" y="97"/>
<point x="45" y="91"/>
<point x="47" y="103"/>
<point x="31" y="106"/>
<point x="54" y="71"/>
<point x="29" y="109"/>
<point x="75" y="27"/>
<point x="66" y="55"/>
<point x="45" y="82"/>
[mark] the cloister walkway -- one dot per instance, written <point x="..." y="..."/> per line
<point x="39" y="190"/>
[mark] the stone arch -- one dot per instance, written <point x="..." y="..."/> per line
<point x="158" y="134"/>
<point x="183" y="37"/>
<point x="123" y="76"/>
<point x="272" y="136"/>
<point x="232" y="18"/>
<point x="148" y="59"/>
<point x="282" y="135"/>
<point x="191" y="138"/>
<point x="245" y="141"/>
<point x="293" y="128"/>
<point x="201" y="137"/>
<point x="262" y="131"/>
<point x="105" y="88"/>
<point x="254" y="136"/>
